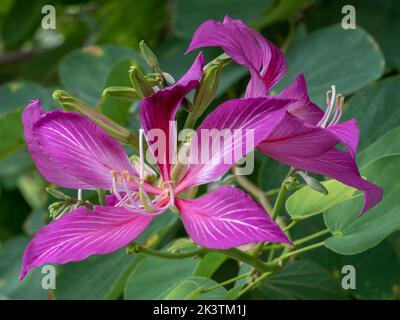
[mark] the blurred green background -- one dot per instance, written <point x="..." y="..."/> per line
<point x="92" y="47"/>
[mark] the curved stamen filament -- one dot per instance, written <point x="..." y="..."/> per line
<point x="339" y="109"/>
<point x="330" y="102"/>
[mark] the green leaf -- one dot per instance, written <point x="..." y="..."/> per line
<point x="154" y="277"/>
<point x="150" y="18"/>
<point x="10" y="266"/>
<point x="31" y="186"/>
<point x="113" y="108"/>
<point x="210" y="263"/>
<point x="101" y="275"/>
<point x="388" y="144"/>
<point x="191" y="289"/>
<point x="105" y="275"/>
<point x="13" y="211"/>
<point x="283" y="9"/>
<point x="84" y="72"/>
<point x="11" y="133"/>
<point x="301" y="280"/>
<point x="17" y="94"/>
<point x="307" y="202"/>
<point x="354" y="234"/>
<point x="370" y="284"/>
<point x="381" y="19"/>
<point x="376" y="109"/>
<point x="191" y="13"/>
<point x="21" y="22"/>
<point x="334" y="56"/>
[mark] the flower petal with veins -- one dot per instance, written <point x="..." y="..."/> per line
<point x="226" y="218"/>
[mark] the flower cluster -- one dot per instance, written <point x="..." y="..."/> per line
<point x="72" y="151"/>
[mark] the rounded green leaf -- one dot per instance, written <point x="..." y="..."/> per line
<point x="154" y="277"/>
<point x="307" y="202"/>
<point x="388" y="144"/>
<point x="349" y="59"/>
<point x="10" y="266"/>
<point x="301" y="280"/>
<point x="376" y="109"/>
<point x="354" y="234"/>
<point x="105" y="276"/>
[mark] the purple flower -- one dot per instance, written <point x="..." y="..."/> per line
<point x="306" y="137"/>
<point x="70" y="150"/>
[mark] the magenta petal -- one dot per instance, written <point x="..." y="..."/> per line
<point x="302" y="108"/>
<point x="49" y="169"/>
<point x="158" y="111"/>
<point x="81" y="148"/>
<point x="293" y="137"/>
<point x="242" y="118"/>
<point x="247" y="47"/>
<point x="226" y="218"/>
<point x="335" y="164"/>
<point x="83" y="233"/>
<point x="347" y="133"/>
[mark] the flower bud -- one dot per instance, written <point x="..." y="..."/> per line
<point x="123" y="93"/>
<point x="57" y="193"/>
<point x="207" y="90"/>
<point x="149" y="56"/>
<point x="313" y="183"/>
<point x="73" y="104"/>
<point x="139" y="82"/>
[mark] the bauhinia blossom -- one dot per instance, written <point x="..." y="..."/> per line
<point x="306" y="137"/>
<point x="72" y="151"/>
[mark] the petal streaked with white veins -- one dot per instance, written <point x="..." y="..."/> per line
<point x="83" y="233"/>
<point x="81" y="148"/>
<point x="226" y="218"/>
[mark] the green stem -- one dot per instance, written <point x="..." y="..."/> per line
<point x="247" y="258"/>
<point x="280" y="200"/>
<point x="223" y="284"/>
<point x="255" y="191"/>
<point x="162" y="254"/>
<point x="311" y="237"/>
<point x="271" y="253"/>
<point x="290" y="226"/>
<point x="254" y="283"/>
<point x="286" y="256"/>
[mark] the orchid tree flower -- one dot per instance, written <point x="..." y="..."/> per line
<point x="306" y="138"/>
<point x="72" y="151"/>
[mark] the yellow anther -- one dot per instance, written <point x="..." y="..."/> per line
<point x="328" y="97"/>
<point x="114" y="174"/>
<point x="124" y="176"/>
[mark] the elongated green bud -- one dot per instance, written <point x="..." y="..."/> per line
<point x="139" y="82"/>
<point x="149" y="56"/>
<point x="313" y="183"/>
<point x="207" y="90"/>
<point x="123" y="93"/>
<point x="57" y="194"/>
<point x="73" y="104"/>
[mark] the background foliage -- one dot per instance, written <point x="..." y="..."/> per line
<point x="92" y="47"/>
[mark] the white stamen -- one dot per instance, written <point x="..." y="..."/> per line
<point x="323" y="122"/>
<point x="80" y="194"/>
